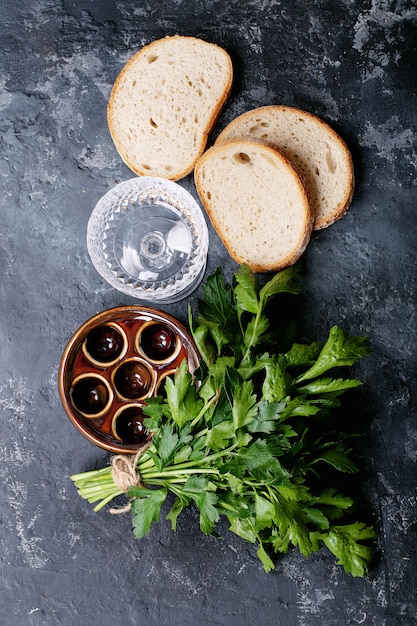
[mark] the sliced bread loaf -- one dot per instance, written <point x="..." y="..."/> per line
<point x="165" y="102"/>
<point x="256" y="202"/>
<point x="320" y="156"/>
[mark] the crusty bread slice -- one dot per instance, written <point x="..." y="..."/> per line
<point x="165" y="102"/>
<point x="256" y="202"/>
<point x="320" y="156"/>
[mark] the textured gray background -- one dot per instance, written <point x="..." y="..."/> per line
<point x="353" y="64"/>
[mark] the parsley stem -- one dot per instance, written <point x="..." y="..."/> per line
<point x="167" y="481"/>
<point x="145" y="464"/>
<point x="196" y="463"/>
<point x="92" y="488"/>
<point x="173" y="472"/>
<point x="82" y="475"/>
<point x="109" y="498"/>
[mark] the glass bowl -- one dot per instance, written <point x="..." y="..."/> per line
<point x="112" y="364"/>
<point x="148" y="238"/>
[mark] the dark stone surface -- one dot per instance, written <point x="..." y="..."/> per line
<point x="353" y="64"/>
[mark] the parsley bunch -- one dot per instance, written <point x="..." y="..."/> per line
<point x="249" y="435"/>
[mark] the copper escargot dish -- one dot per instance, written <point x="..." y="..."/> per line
<point x="112" y="364"/>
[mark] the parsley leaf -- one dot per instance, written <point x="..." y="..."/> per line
<point x="146" y="508"/>
<point x="182" y="396"/>
<point x="340" y="350"/>
<point x="258" y="460"/>
<point x="347" y="544"/>
<point x="165" y="445"/>
<point x="217" y="313"/>
<point x="286" y="281"/>
<point x="196" y="489"/>
<point x="245" y="292"/>
<point x="244" y="406"/>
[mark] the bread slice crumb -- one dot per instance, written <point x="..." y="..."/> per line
<point x="256" y="202"/>
<point x="165" y="102"/>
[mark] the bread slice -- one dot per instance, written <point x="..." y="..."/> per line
<point x="256" y="202"/>
<point x="165" y="102"/>
<point x="320" y="156"/>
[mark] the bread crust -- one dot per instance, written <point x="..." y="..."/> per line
<point x="205" y="131"/>
<point x="236" y="126"/>
<point x="305" y="228"/>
